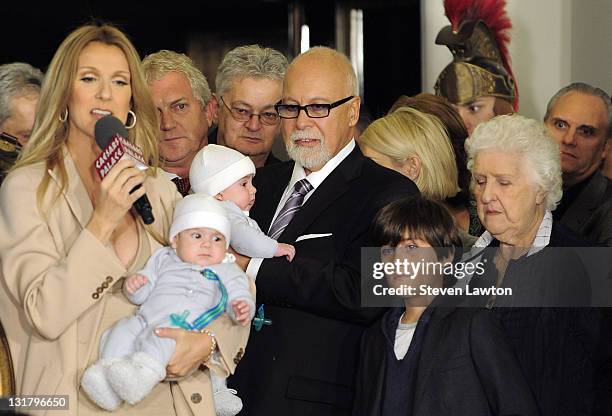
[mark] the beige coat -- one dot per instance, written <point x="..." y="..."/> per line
<point x="50" y="270"/>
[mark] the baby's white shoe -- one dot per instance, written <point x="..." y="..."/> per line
<point x="134" y="378"/>
<point x="226" y="402"/>
<point x="95" y="383"/>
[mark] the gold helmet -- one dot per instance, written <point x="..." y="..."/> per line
<point x="477" y="38"/>
<point x="9" y="151"/>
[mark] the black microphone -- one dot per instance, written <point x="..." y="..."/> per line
<point x="111" y="136"/>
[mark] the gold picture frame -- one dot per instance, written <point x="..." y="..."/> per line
<point x="7" y="375"/>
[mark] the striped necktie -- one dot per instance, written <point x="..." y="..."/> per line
<point x="291" y="207"/>
<point x="284" y="217"/>
<point x="182" y="184"/>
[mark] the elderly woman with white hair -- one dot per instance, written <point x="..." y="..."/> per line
<point x="516" y="180"/>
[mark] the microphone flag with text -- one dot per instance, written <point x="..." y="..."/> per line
<point x="111" y="136"/>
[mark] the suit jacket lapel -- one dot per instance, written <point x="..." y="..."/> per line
<point x="75" y="193"/>
<point x="335" y="185"/>
<point x="587" y="201"/>
<point x="272" y="186"/>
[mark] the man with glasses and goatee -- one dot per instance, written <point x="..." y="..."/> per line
<point x="249" y="82"/>
<point x="323" y="202"/>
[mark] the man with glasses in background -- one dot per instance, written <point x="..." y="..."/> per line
<point x="248" y="85"/>
<point x="323" y="201"/>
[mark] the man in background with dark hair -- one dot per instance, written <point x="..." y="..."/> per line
<point x="579" y="119"/>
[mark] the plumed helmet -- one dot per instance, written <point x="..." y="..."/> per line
<point x="477" y="38"/>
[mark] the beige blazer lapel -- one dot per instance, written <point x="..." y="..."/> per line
<point x="75" y="192"/>
<point x="81" y="207"/>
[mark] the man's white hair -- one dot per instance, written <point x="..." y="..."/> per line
<point x="249" y="61"/>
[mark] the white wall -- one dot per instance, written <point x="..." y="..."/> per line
<point x="592" y="43"/>
<point x="554" y="42"/>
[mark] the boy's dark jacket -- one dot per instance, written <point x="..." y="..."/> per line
<point x="466" y="367"/>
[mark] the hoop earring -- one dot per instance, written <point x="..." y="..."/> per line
<point x="131" y="125"/>
<point x="63" y="115"/>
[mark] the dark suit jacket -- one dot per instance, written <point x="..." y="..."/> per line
<point x="271" y="159"/>
<point x="466" y="367"/>
<point x="590" y="215"/>
<point x="304" y="363"/>
<point x="212" y="139"/>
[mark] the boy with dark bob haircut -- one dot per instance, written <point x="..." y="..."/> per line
<point x="431" y="357"/>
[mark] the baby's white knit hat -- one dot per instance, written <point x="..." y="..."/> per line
<point x="199" y="211"/>
<point x="214" y="168"/>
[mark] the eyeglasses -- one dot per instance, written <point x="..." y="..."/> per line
<point x="269" y="118"/>
<point x="312" y="110"/>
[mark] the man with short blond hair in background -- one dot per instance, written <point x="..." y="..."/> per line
<point x="183" y="100"/>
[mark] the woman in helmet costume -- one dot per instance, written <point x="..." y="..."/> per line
<point x="479" y="81"/>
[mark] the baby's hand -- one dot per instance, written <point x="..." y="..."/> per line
<point x="134" y="282"/>
<point x="242" y="312"/>
<point x="285" y="250"/>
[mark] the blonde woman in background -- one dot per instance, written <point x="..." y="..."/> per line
<point x="462" y="205"/>
<point x="416" y="145"/>
<point x="68" y="238"/>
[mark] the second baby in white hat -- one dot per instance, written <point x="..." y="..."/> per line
<point x="227" y="175"/>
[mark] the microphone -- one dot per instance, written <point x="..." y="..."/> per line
<point x="110" y="134"/>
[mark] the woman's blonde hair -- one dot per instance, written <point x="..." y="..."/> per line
<point x="49" y="134"/>
<point x="407" y="133"/>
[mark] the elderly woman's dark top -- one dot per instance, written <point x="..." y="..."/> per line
<point x="556" y="346"/>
